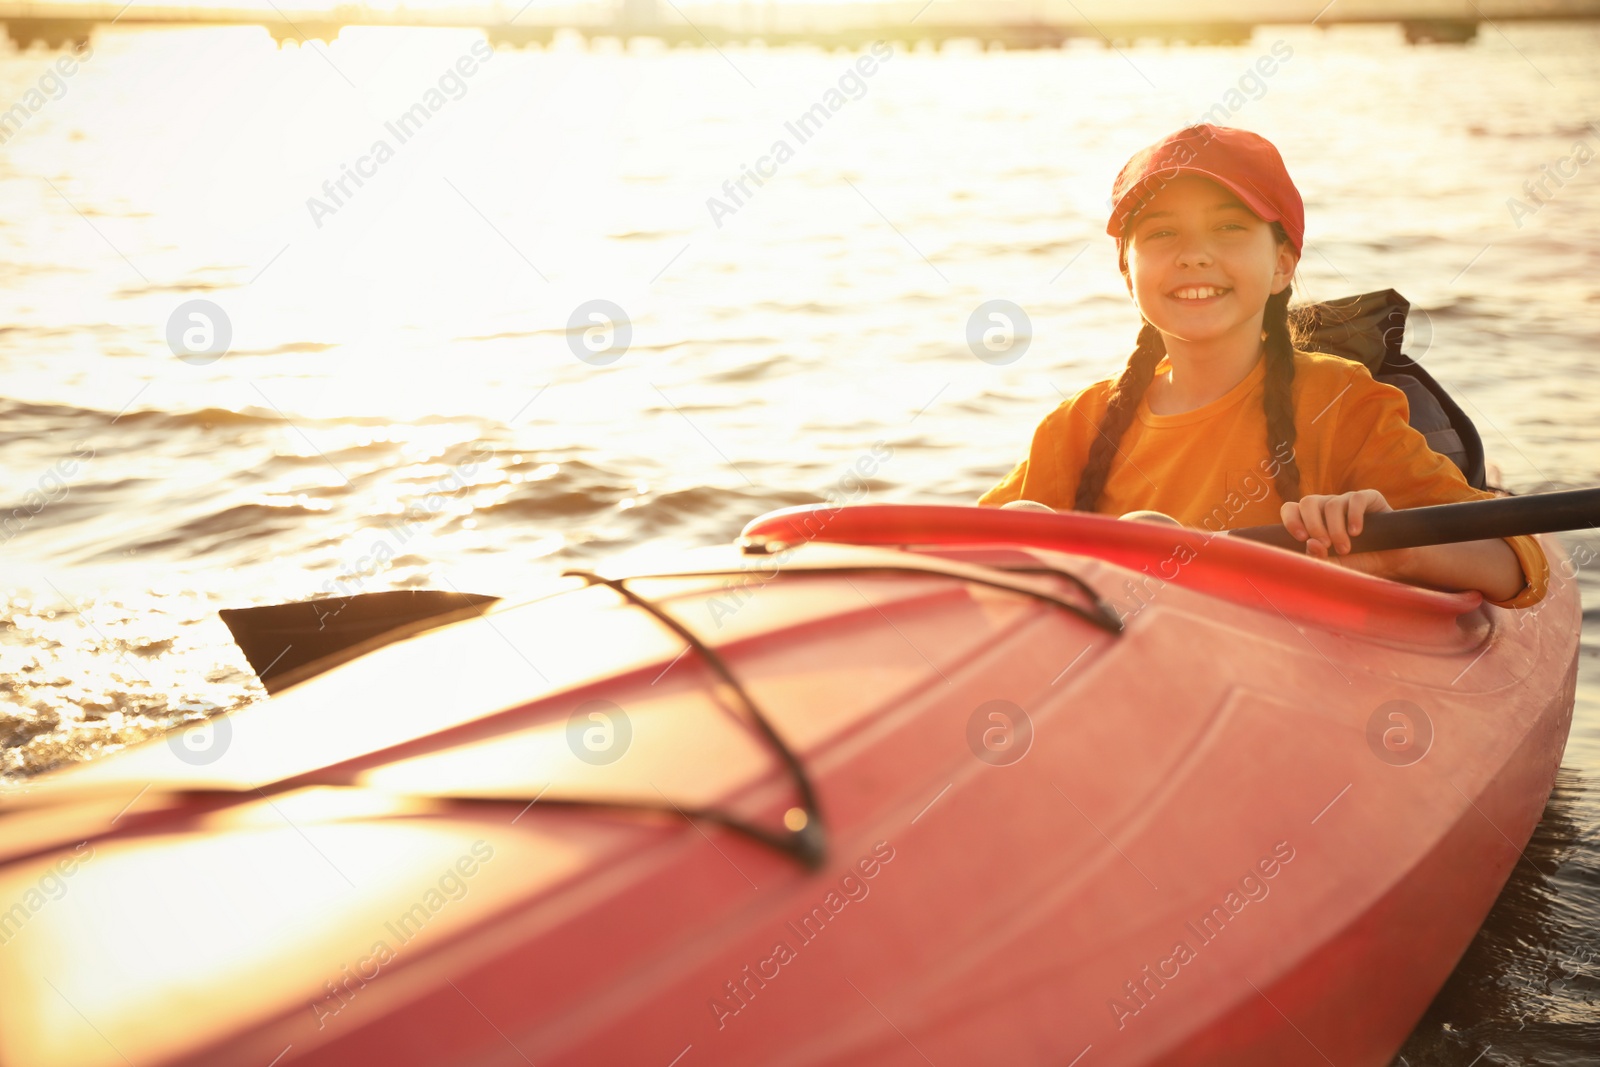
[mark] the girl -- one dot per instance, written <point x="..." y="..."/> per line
<point x="1219" y="420"/>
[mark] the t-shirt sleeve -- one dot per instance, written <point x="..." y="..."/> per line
<point x="1009" y="488"/>
<point x="1379" y="449"/>
<point x="1049" y="473"/>
<point x="1535" y="568"/>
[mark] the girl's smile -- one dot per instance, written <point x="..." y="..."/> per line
<point x="1197" y="295"/>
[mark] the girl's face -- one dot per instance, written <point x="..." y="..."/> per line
<point x="1201" y="265"/>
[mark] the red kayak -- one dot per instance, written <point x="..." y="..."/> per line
<point x="963" y="786"/>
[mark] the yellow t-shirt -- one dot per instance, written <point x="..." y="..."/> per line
<point x="1210" y="467"/>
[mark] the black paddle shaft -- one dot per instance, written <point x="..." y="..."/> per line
<point x="1472" y="520"/>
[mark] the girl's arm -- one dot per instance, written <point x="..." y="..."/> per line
<point x="1325" y="522"/>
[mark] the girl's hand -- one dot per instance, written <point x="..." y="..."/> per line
<point x="1326" y="524"/>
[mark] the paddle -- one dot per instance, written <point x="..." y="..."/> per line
<point x="279" y="639"/>
<point x="1443" y="524"/>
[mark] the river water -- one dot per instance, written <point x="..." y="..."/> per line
<point x="402" y="403"/>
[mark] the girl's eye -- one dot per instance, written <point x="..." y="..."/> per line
<point x="1152" y="234"/>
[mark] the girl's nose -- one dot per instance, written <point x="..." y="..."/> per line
<point x="1194" y="253"/>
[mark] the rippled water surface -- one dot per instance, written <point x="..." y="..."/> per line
<point x="401" y="404"/>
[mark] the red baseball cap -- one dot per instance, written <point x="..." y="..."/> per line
<point x="1240" y="161"/>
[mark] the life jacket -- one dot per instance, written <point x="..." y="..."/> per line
<point x="1370" y="330"/>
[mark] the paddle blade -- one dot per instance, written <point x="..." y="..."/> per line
<point x="280" y="639"/>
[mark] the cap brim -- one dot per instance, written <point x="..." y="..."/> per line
<point x="1136" y="197"/>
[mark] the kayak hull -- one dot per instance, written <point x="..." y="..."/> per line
<point x="1197" y="840"/>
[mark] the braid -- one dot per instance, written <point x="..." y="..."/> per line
<point x="1124" y="401"/>
<point x="1278" y="399"/>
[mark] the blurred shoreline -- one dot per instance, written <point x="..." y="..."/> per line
<point x="1009" y="24"/>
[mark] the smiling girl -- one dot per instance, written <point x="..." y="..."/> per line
<point x="1219" y="419"/>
